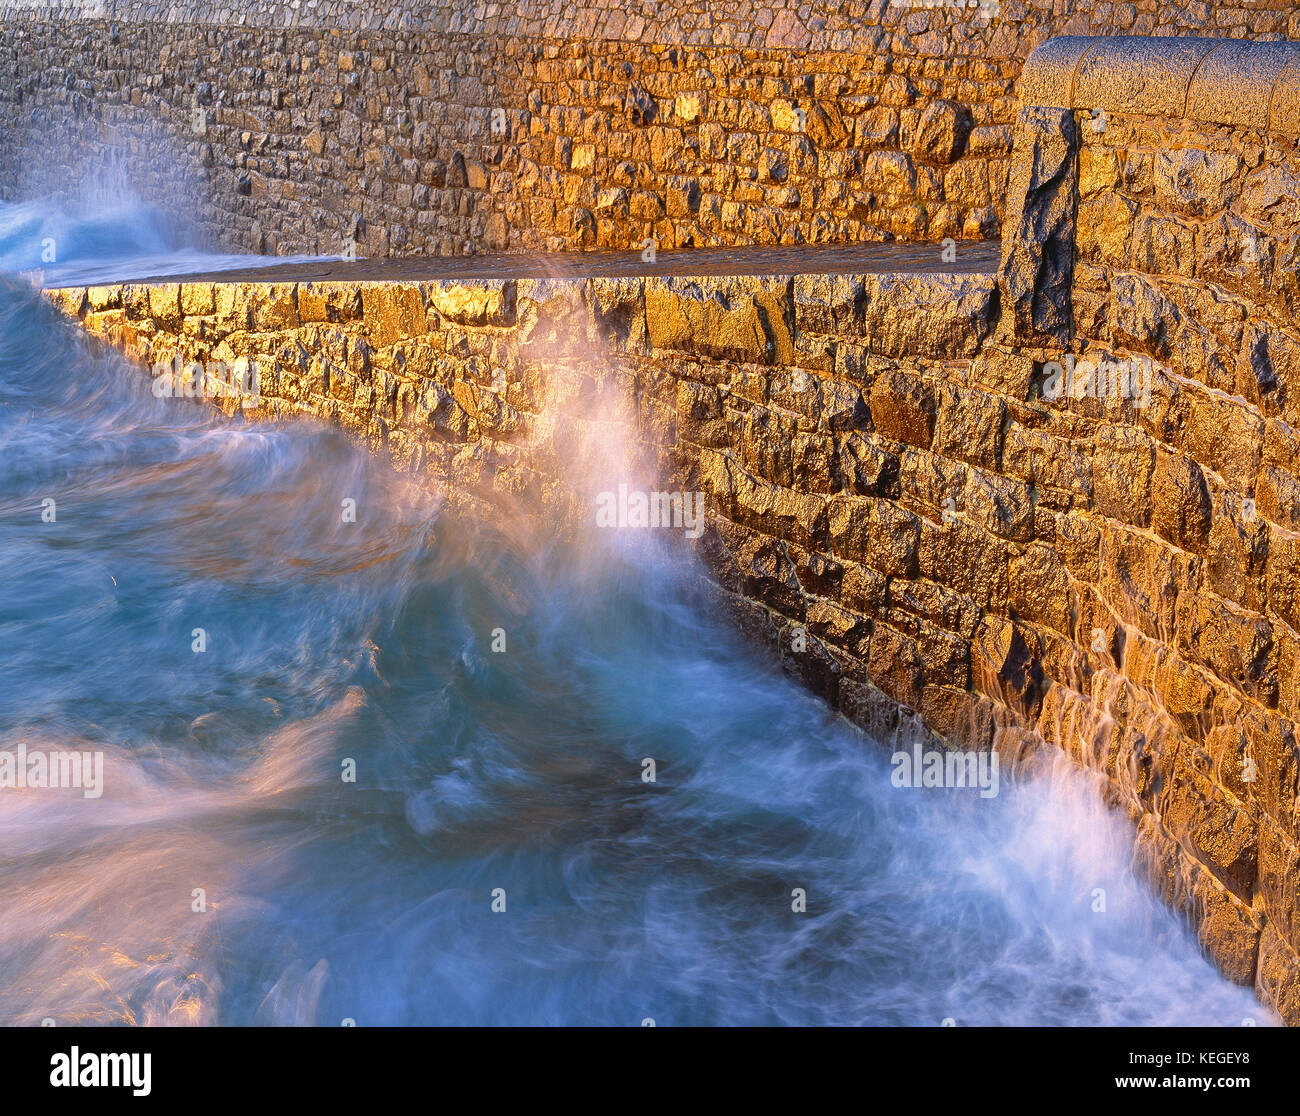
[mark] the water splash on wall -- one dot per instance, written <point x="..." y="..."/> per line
<point x="230" y="874"/>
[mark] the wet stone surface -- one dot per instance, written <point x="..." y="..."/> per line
<point x="958" y="257"/>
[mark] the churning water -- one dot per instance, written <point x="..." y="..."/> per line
<point x="482" y="777"/>
<point x="114" y="239"/>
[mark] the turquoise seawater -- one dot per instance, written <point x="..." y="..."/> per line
<point x="229" y="874"/>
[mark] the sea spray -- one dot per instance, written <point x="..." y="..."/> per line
<point x="350" y="806"/>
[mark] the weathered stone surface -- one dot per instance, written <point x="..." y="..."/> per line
<point x="483" y="302"/>
<point x="1268" y="366"/>
<point x="1105" y="229"/>
<point x="1237" y="552"/>
<point x="1226" y="924"/>
<point x="970" y="425"/>
<point x="829" y="304"/>
<point x="969" y="560"/>
<point x="1048" y="458"/>
<point x="1220" y="834"/>
<point x="1278" y="974"/>
<point x="1222" y="434"/>
<point x="1142" y="578"/>
<point x="1249" y="72"/>
<point x="726" y="318"/>
<point x="903" y="408"/>
<point x="1284" y="578"/>
<point x="1038" y="237"/>
<point x="1008" y="665"/>
<point x="1284" y="109"/>
<point x="1048" y="77"/>
<point x="935" y="315"/>
<point x="394" y="312"/>
<point x="1123" y="466"/>
<point x="1143" y="75"/>
<point x="941" y="132"/>
<point x="1279" y="880"/>
<point x="1237" y="645"/>
<point x="1040" y="588"/>
<point x="875" y="532"/>
<point x="1181" y="510"/>
<point x="895" y="665"/>
<point x="1196" y="182"/>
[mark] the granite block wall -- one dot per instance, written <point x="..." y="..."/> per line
<point x="1052" y="507"/>
<point x="333" y="126"/>
<point x="1170" y="166"/>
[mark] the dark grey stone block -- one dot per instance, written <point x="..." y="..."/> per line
<point x="1038" y="234"/>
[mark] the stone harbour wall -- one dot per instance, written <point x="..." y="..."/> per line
<point x="452" y="128"/>
<point x="1172" y="169"/>
<point x="1055" y="506"/>
<point x="891" y="505"/>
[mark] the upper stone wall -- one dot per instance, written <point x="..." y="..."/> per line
<point x="281" y="129"/>
<point x="321" y="123"/>
<point x="935" y="28"/>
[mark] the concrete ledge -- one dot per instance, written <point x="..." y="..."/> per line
<point x="1148" y="76"/>
<point x="1215" y="81"/>
<point x="873" y="258"/>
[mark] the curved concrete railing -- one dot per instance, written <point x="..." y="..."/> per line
<point x="1214" y="81"/>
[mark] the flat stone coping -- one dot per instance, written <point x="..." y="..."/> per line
<point x="972" y="257"/>
<point x="1214" y="81"/>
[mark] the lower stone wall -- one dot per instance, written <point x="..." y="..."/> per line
<point x="891" y="504"/>
<point x="1154" y="242"/>
<point x="1188" y="256"/>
